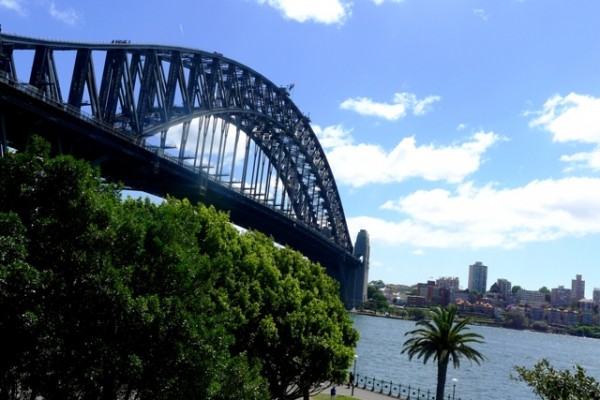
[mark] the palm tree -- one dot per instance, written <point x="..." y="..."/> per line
<point x="443" y="339"/>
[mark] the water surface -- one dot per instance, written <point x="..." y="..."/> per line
<point x="381" y="342"/>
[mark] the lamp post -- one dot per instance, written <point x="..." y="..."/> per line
<point x="454" y="382"/>
<point x="354" y="374"/>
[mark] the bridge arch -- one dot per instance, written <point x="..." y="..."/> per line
<point x="155" y="94"/>
<point x="190" y="123"/>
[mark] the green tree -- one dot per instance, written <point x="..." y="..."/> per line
<point x="417" y="314"/>
<point x="547" y="294"/>
<point x="550" y="384"/>
<point x="443" y="340"/>
<point x="514" y="319"/>
<point x="104" y="299"/>
<point x="291" y="318"/>
<point x="376" y="300"/>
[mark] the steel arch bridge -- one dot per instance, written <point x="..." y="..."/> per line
<point x="185" y="122"/>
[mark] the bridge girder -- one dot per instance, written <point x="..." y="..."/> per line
<point x="146" y="90"/>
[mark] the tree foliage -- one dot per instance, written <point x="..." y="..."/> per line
<point x="514" y="319"/>
<point x="443" y="339"/>
<point x="550" y="384"/>
<point x="376" y="301"/>
<point x="515" y="289"/>
<point x="114" y="299"/>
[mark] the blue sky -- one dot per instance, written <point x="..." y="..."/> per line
<point x="458" y="130"/>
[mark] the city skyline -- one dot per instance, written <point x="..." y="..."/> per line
<point x="588" y="289"/>
<point x="456" y="131"/>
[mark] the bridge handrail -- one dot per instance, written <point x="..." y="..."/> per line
<point x="397" y="390"/>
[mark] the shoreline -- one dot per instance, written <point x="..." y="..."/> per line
<point x="552" y="329"/>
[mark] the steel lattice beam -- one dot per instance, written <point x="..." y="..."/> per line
<point x="145" y="90"/>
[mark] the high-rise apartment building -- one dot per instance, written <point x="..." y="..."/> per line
<point x="478" y="277"/>
<point x="596" y="297"/>
<point x="560" y="297"/>
<point x="447" y="282"/>
<point x="577" y="288"/>
<point x="504" y="288"/>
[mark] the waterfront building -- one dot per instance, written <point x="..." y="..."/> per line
<point x="443" y="297"/>
<point x="531" y="298"/>
<point x="481" y="309"/>
<point x="427" y="290"/>
<point x="478" y="277"/>
<point x="560" y="297"/>
<point x="536" y="314"/>
<point x="447" y="282"/>
<point x="577" y="288"/>
<point x="571" y="317"/>
<point x="460" y="294"/>
<point x="416" y="301"/>
<point x="586" y="307"/>
<point x="562" y="317"/>
<point x="504" y="288"/>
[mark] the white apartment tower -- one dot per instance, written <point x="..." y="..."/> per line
<point x="478" y="277"/>
<point x="448" y="282"/>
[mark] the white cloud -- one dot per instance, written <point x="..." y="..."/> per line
<point x="321" y="11"/>
<point x="13" y="5"/>
<point x="400" y="106"/>
<point x="69" y="16"/>
<point x="361" y="164"/>
<point x="583" y="160"/>
<point x="487" y="217"/>
<point x="380" y="2"/>
<point x="480" y="12"/>
<point x="332" y="136"/>
<point x="573" y="118"/>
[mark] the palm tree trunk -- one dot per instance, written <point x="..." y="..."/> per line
<point x="441" y="379"/>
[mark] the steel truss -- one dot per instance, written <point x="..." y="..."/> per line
<point x="211" y="114"/>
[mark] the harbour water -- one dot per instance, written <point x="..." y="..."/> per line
<point x="381" y="341"/>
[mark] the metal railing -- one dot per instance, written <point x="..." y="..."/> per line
<point x="398" y="390"/>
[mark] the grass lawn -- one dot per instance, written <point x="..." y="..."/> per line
<point x="323" y="396"/>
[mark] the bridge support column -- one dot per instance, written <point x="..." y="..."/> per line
<point x="4" y="144"/>
<point x="355" y="277"/>
<point x="362" y="250"/>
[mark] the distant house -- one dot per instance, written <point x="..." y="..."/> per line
<point x="481" y="309"/>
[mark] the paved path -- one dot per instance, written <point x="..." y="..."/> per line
<point x="359" y="393"/>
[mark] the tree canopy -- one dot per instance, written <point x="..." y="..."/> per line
<point x="550" y="384"/>
<point x="376" y="300"/>
<point x="107" y="298"/>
